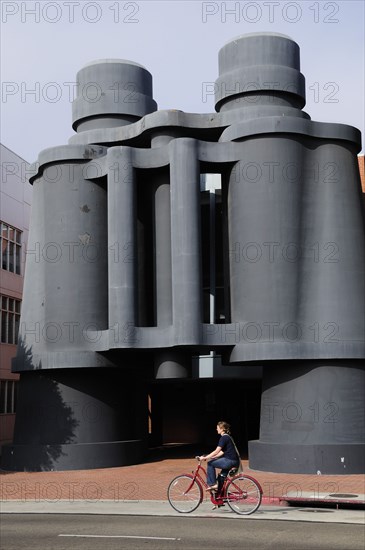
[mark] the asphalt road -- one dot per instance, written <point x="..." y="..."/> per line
<point x="78" y="532"/>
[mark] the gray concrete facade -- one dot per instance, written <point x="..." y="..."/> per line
<point x="114" y="296"/>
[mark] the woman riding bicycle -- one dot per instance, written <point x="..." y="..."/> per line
<point x="225" y="456"/>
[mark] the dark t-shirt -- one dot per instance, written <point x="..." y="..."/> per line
<point x="225" y="443"/>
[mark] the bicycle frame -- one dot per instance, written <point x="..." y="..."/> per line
<point x="218" y="498"/>
<point x="242" y="493"/>
<point x="198" y="474"/>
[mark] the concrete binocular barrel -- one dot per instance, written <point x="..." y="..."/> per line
<point x="259" y="69"/>
<point x="170" y="252"/>
<point x="110" y="93"/>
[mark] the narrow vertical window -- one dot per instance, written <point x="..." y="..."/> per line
<point x="9" y="320"/>
<point x="10" y="249"/>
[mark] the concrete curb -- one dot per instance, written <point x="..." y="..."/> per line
<point x="162" y="508"/>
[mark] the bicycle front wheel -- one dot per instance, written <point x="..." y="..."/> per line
<point x="243" y="495"/>
<point x="184" y="493"/>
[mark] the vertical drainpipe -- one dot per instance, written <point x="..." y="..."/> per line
<point x="212" y="290"/>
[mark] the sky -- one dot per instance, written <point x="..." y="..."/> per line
<point x="45" y="43"/>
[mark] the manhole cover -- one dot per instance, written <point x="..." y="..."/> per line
<point x="343" y="495"/>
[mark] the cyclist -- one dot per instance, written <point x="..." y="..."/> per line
<point x="225" y="456"/>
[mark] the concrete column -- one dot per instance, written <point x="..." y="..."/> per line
<point x="185" y="239"/>
<point x="121" y="239"/>
<point x="162" y="244"/>
<point x="162" y="233"/>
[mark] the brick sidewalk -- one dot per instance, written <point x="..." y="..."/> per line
<point x="149" y="481"/>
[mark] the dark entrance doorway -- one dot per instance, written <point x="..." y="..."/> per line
<point x="185" y="412"/>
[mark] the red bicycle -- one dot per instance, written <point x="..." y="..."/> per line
<point x="242" y="493"/>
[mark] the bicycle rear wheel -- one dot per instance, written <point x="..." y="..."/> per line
<point x="243" y="495"/>
<point x="184" y="493"/>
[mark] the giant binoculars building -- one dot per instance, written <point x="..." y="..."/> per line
<point x="162" y="239"/>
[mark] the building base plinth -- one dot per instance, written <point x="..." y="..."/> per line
<point x="82" y="456"/>
<point x="331" y="459"/>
